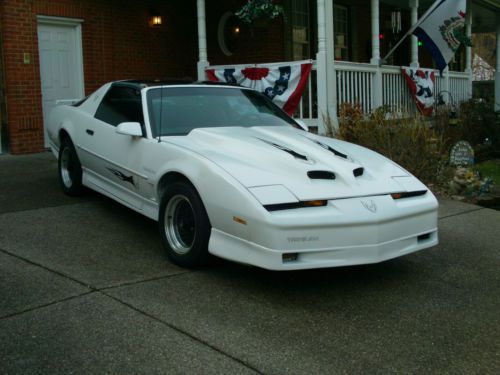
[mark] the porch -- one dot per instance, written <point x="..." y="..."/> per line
<point x="356" y="83"/>
<point x="370" y="83"/>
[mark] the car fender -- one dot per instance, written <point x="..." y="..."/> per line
<point x="60" y="120"/>
<point x="230" y="207"/>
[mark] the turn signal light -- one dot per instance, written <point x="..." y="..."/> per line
<point x="290" y="206"/>
<point x="408" y="194"/>
<point x="239" y="220"/>
<point x="314" y="203"/>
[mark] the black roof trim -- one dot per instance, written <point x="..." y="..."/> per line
<point x="212" y="83"/>
<point x="141" y="84"/>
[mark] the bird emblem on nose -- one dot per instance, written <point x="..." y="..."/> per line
<point x="369" y="205"/>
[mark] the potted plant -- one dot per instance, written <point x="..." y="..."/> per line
<point x="259" y="12"/>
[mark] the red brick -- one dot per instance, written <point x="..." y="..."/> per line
<point x="117" y="44"/>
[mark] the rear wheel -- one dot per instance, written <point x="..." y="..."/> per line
<point x="184" y="226"/>
<point x="70" y="169"/>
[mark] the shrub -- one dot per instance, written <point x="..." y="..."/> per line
<point x="411" y="142"/>
<point x="478" y="124"/>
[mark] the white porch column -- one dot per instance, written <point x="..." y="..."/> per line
<point x="414" y="40"/>
<point x="322" y="68"/>
<point x="202" y="40"/>
<point x="468" y="50"/>
<point x="497" y="70"/>
<point x="330" y="64"/>
<point x="375" y="60"/>
<point x="375" y="16"/>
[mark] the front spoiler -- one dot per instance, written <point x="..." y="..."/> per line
<point x="335" y="236"/>
<point x="238" y="250"/>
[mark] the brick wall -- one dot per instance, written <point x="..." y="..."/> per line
<point x="117" y="44"/>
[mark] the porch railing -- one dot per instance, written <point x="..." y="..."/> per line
<point x="395" y="92"/>
<point x="355" y="84"/>
<point x="457" y="85"/>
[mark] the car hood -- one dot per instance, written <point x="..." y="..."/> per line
<point x="302" y="162"/>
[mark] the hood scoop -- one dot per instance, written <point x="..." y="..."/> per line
<point x="331" y="149"/>
<point x="295" y="154"/>
<point x="358" y="172"/>
<point x="321" y="175"/>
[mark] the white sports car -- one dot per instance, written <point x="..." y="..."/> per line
<point x="226" y="172"/>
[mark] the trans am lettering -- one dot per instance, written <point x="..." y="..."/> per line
<point x="303" y="239"/>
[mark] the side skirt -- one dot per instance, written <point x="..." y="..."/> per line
<point x="114" y="191"/>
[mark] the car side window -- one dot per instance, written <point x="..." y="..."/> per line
<point x="121" y="104"/>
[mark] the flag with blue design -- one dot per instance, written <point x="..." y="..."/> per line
<point x="283" y="83"/>
<point x="443" y="30"/>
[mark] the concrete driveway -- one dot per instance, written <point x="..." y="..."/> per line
<point x="85" y="288"/>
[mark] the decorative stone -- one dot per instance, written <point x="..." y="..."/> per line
<point x="455" y="188"/>
<point x="459" y="181"/>
<point x="462" y="154"/>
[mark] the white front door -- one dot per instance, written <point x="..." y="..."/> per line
<point x="61" y="67"/>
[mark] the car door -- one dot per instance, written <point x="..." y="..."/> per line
<point x="113" y="160"/>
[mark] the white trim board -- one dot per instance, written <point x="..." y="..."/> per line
<point x="59" y="20"/>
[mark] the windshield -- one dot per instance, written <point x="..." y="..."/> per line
<point x="178" y="110"/>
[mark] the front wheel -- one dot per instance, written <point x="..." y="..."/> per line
<point x="184" y="226"/>
<point x="70" y="169"/>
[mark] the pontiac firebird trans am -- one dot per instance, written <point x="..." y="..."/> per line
<point x="226" y="172"/>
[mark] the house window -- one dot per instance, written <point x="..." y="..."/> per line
<point x="299" y="29"/>
<point x="341" y="31"/>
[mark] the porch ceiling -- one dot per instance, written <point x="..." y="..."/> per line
<point x="404" y="4"/>
<point x="483" y="12"/>
<point x="484" y="15"/>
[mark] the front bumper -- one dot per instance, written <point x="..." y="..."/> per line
<point x="345" y="232"/>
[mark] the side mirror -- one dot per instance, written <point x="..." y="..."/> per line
<point x="302" y="124"/>
<point x="133" y="129"/>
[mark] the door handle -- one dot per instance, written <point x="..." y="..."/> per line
<point x="90" y="132"/>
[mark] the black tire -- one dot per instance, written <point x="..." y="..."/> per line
<point x="184" y="226"/>
<point x="69" y="169"/>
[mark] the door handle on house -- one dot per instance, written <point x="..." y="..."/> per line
<point x="90" y="132"/>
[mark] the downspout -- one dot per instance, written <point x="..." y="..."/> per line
<point x="497" y="70"/>
<point x="3" y="104"/>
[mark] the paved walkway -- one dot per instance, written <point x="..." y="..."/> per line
<point x="86" y="288"/>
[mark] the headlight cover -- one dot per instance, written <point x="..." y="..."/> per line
<point x="273" y="194"/>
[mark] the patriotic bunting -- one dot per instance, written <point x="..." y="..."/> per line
<point x="283" y="84"/>
<point x="421" y="84"/>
